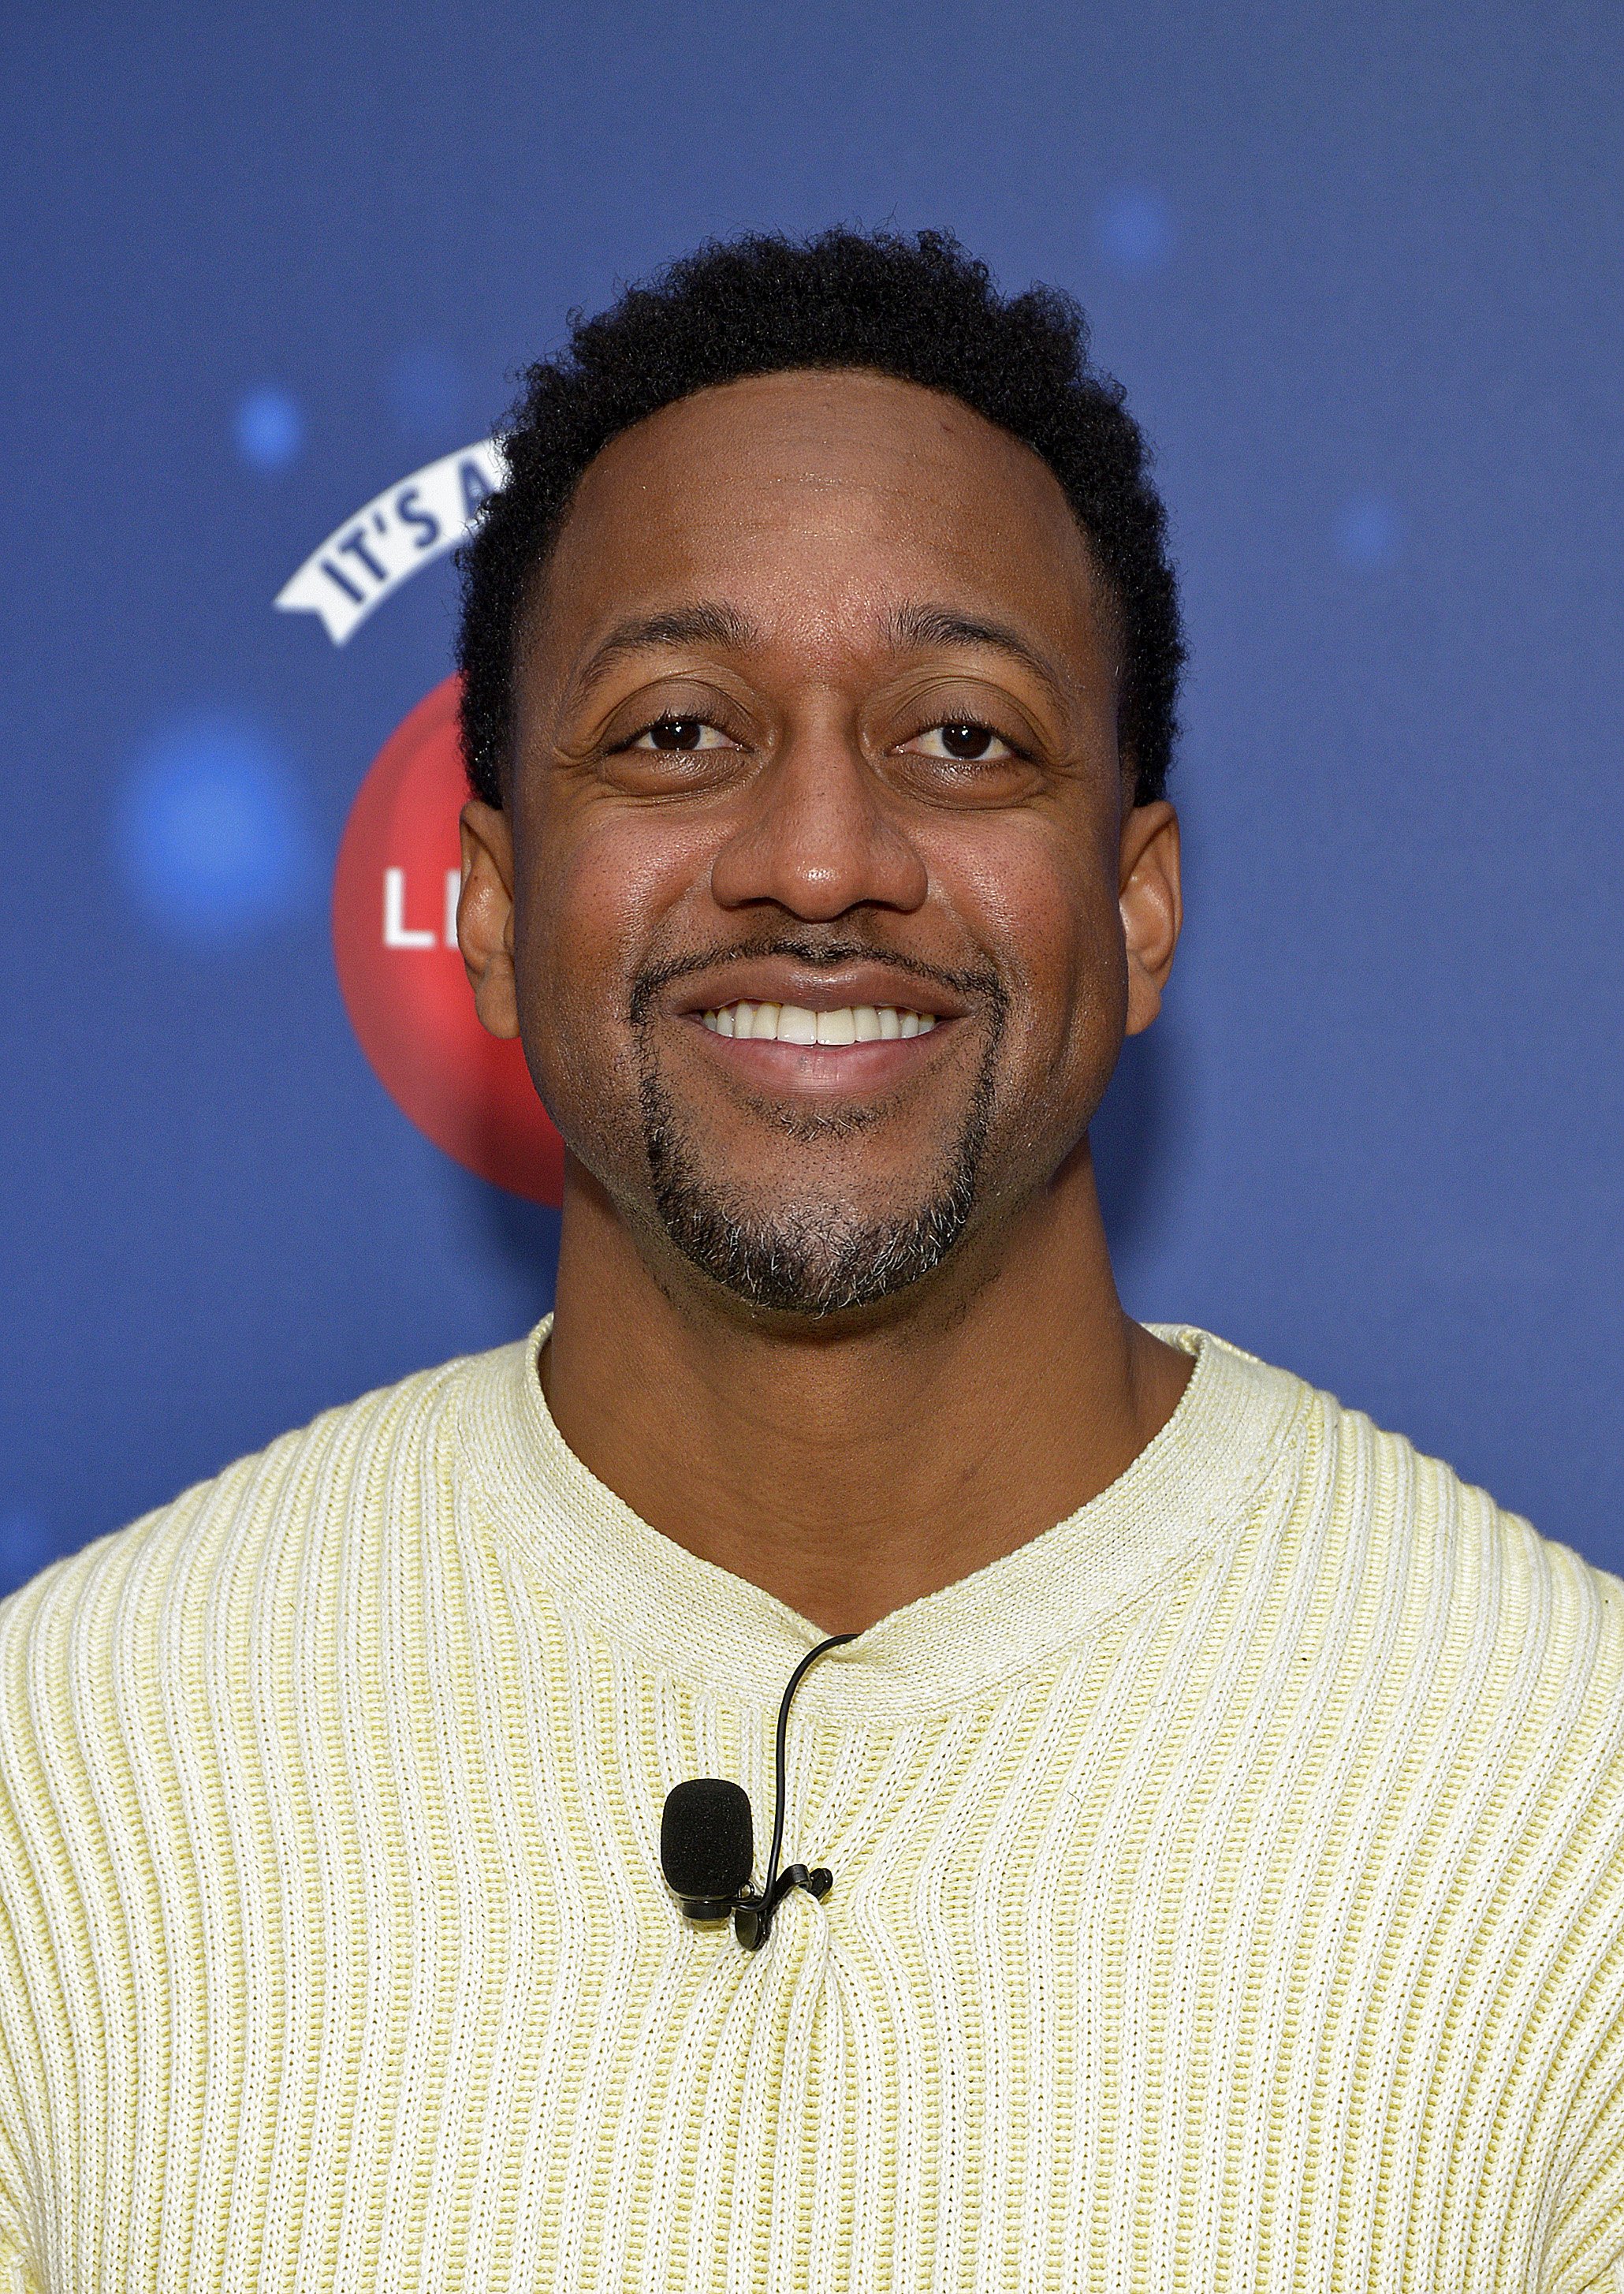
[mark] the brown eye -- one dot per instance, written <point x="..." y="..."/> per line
<point x="967" y="743"/>
<point x="676" y="733"/>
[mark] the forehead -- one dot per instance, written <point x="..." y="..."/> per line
<point x="823" y="499"/>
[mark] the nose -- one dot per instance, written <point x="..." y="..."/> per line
<point x="818" y="837"/>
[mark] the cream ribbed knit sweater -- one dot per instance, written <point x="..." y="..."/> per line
<point x="1227" y="1887"/>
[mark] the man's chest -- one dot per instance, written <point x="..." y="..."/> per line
<point x="1102" y="2062"/>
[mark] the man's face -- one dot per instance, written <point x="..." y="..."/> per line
<point x="815" y="739"/>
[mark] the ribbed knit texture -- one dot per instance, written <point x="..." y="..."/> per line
<point x="1227" y="1887"/>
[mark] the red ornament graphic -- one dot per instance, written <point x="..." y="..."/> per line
<point x="395" y="939"/>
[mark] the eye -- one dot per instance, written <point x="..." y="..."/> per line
<point x="962" y="740"/>
<point x="671" y="734"/>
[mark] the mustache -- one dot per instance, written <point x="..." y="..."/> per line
<point x="654" y="979"/>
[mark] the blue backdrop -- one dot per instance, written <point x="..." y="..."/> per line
<point x="1360" y="269"/>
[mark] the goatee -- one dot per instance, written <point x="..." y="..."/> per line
<point x="811" y="1257"/>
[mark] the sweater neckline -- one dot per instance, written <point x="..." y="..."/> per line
<point x="668" y="1609"/>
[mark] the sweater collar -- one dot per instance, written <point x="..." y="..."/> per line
<point x="1204" y="1474"/>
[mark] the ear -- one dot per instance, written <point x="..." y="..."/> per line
<point x="1152" y="905"/>
<point x="484" y="915"/>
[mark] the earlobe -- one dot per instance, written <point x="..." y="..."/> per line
<point x="484" y="916"/>
<point x="1151" y="903"/>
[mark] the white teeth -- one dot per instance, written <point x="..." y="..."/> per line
<point x="792" y="1023"/>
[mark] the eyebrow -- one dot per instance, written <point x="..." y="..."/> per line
<point x="916" y="628"/>
<point x="923" y="627"/>
<point x="684" y="625"/>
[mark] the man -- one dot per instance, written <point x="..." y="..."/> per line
<point x="1222" y="1803"/>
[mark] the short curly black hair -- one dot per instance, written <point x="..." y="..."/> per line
<point x="919" y="309"/>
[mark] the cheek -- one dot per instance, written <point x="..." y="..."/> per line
<point x="1047" y="912"/>
<point x="597" y="899"/>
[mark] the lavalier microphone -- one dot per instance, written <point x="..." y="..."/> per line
<point x="707" y="1839"/>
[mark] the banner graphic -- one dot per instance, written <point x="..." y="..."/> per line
<point x="391" y="538"/>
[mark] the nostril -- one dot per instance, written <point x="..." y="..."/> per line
<point x="820" y="877"/>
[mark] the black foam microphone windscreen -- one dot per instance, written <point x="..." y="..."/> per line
<point x="707" y="1844"/>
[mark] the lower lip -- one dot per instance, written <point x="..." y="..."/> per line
<point x="822" y="1067"/>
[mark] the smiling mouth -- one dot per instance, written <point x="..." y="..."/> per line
<point x="793" y="1023"/>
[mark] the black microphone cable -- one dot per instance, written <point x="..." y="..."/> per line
<point x="707" y="1839"/>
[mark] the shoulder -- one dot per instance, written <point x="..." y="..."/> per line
<point x="1527" y="1614"/>
<point x="267" y="1532"/>
<point x="1378" y="1563"/>
<point x="1360" y="1498"/>
<point x="1452" y="1684"/>
<point x="173" y="1695"/>
<point x="1457" y="1632"/>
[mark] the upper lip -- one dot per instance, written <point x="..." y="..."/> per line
<point x="779" y="979"/>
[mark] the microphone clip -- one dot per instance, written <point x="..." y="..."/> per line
<point x="707" y="1844"/>
<point x="752" y="1914"/>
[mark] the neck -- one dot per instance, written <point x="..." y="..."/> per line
<point x="849" y="1470"/>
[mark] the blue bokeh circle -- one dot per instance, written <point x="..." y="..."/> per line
<point x="269" y="429"/>
<point x="1134" y="231"/>
<point x="212" y="838"/>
